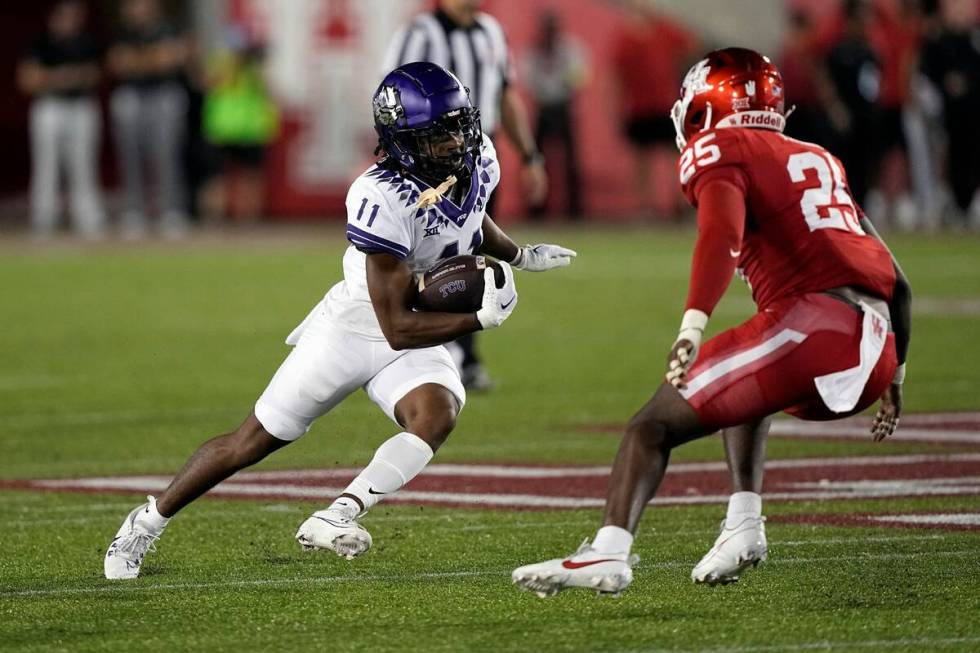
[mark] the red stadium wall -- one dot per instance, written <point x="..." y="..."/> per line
<point x="603" y="153"/>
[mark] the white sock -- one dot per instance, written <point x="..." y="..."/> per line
<point x="612" y="539"/>
<point x="742" y="505"/>
<point x="396" y="462"/>
<point x="151" y="518"/>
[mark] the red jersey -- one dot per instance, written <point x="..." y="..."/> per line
<point x="802" y="232"/>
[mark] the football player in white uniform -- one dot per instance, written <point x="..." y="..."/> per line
<point x="422" y="202"/>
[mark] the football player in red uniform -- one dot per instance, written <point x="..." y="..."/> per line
<point x="829" y="339"/>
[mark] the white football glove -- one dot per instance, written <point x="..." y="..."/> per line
<point x="498" y="303"/>
<point x="538" y="258"/>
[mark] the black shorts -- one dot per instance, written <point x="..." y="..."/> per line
<point x="649" y="130"/>
<point x="244" y="156"/>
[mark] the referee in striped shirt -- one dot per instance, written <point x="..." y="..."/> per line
<point x="472" y="45"/>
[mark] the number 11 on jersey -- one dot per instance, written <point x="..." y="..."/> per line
<point x="374" y="212"/>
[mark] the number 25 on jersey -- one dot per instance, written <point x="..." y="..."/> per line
<point x="827" y="205"/>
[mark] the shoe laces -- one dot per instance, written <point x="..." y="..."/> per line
<point x="584" y="547"/>
<point x="759" y="521"/>
<point x="137" y="544"/>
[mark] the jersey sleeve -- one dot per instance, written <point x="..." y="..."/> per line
<point x="489" y="165"/>
<point x="721" y="225"/>
<point x="712" y="155"/>
<point x="373" y="226"/>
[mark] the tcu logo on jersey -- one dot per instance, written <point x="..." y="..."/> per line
<point x="387" y="106"/>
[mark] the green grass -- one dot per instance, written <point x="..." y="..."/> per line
<point x="118" y="361"/>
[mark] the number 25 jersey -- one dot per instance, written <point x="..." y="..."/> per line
<point x="802" y="232"/>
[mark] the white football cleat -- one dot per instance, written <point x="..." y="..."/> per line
<point x="134" y="539"/>
<point x="336" y="531"/>
<point x="605" y="573"/>
<point x="736" y="550"/>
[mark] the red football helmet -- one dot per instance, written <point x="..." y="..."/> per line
<point x="734" y="87"/>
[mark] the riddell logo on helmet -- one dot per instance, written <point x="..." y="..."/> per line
<point x="758" y="119"/>
<point x="755" y="119"/>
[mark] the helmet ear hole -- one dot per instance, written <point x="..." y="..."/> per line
<point x="697" y="117"/>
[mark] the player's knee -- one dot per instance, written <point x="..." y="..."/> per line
<point x="648" y="430"/>
<point x="250" y="443"/>
<point x="433" y="424"/>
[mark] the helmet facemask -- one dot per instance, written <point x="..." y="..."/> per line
<point x="694" y="82"/>
<point x="446" y="146"/>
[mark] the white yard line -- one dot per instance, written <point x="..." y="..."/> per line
<point x="806" y="491"/>
<point x="483" y="471"/>
<point x="965" y="519"/>
<point x="137" y="586"/>
<point x="851" y="431"/>
<point x="776" y="544"/>
<point x="529" y="472"/>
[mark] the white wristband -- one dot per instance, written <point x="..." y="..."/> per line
<point x="899" y="377"/>
<point x="692" y="326"/>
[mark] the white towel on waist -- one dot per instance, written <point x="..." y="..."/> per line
<point x="841" y="391"/>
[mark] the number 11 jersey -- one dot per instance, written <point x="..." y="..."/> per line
<point x="384" y="216"/>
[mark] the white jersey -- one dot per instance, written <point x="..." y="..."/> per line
<point x="383" y="216"/>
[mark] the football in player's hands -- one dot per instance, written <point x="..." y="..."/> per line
<point x="456" y="285"/>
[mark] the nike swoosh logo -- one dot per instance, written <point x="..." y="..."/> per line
<point x="734" y="252"/>
<point x="568" y="564"/>
<point x="371" y="490"/>
<point x="504" y="306"/>
<point x="331" y="522"/>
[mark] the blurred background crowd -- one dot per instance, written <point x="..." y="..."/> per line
<point x="135" y="118"/>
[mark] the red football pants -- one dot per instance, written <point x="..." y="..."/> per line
<point x="769" y="363"/>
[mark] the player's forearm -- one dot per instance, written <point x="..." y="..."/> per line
<point x="900" y="306"/>
<point x="496" y="243"/>
<point x="712" y="268"/>
<point x="721" y="218"/>
<point x="900" y="309"/>
<point x="392" y="288"/>
<point x="413" y="330"/>
<point x="513" y="117"/>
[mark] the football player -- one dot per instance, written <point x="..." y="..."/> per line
<point x="829" y="339"/>
<point x="422" y="202"/>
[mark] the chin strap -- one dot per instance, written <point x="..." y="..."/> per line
<point x="430" y="196"/>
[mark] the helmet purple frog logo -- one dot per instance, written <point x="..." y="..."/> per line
<point x="387" y="106"/>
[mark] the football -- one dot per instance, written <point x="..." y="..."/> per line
<point x="456" y="285"/>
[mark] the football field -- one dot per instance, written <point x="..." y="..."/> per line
<point x="117" y="362"/>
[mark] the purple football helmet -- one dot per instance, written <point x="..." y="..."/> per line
<point x="420" y="105"/>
